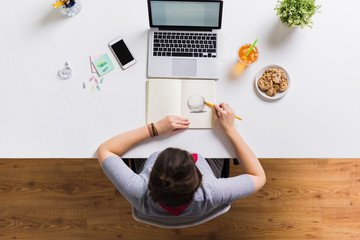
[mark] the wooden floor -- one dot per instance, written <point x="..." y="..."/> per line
<point x="72" y="199"/>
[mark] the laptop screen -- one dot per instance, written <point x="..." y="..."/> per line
<point x="185" y="14"/>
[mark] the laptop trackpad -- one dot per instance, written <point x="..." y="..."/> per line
<point x="184" y="67"/>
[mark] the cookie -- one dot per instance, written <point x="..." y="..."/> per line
<point x="276" y="86"/>
<point x="283" y="85"/>
<point x="282" y="72"/>
<point x="264" y="83"/>
<point x="276" y="77"/>
<point x="269" y="76"/>
<point x="271" y="69"/>
<point x="271" y="92"/>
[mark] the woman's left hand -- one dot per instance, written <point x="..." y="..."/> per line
<point x="172" y="124"/>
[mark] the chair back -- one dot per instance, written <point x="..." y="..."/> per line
<point x="178" y="221"/>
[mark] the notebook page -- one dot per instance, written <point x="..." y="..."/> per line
<point x="194" y="92"/>
<point x="163" y="98"/>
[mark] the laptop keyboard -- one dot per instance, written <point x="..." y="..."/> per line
<point x="183" y="44"/>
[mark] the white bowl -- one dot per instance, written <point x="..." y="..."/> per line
<point x="278" y="94"/>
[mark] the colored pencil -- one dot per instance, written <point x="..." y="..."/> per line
<point x="58" y="4"/>
<point x="210" y="105"/>
<point x="67" y="3"/>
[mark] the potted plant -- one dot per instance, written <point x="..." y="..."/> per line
<point x="297" y="12"/>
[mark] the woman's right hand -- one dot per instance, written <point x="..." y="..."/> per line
<point x="224" y="117"/>
<point x="172" y="124"/>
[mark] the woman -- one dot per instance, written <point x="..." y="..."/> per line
<point x="175" y="182"/>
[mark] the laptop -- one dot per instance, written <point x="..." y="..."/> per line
<point x="183" y="38"/>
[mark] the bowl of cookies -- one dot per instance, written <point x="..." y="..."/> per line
<point x="272" y="82"/>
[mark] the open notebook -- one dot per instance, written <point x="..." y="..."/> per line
<point x="182" y="98"/>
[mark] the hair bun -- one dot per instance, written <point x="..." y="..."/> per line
<point x="168" y="183"/>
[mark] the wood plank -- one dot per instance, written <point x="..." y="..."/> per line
<point x="304" y="182"/>
<point x="355" y="185"/>
<point x="73" y="199"/>
<point x="42" y="223"/>
<point x="341" y="223"/>
<point x="59" y="183"/>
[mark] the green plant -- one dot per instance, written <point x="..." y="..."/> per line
<point x="297" y="12"/>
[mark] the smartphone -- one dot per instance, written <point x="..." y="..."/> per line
<point x="122" y="53"/>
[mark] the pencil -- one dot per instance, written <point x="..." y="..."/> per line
<point x="64" y="2"/>
<point x="58" y="4"/>
<point x="210" y="105"/>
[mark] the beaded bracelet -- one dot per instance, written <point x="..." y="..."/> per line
<point x="155" y="131"/>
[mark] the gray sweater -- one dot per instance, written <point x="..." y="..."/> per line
<point x="213" y="193"/>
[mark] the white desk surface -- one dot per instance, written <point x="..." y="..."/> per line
<point x="44" y="117"/>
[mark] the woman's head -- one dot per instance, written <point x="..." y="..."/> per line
<point x="174" y="178"/>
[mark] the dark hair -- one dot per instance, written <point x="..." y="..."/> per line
<point x="174" y="178"/>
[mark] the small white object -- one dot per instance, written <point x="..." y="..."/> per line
<point x="277" y="95"/>
<point x="66" y="72"/>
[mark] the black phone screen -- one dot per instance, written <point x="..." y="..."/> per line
<point x="122" y="52"/>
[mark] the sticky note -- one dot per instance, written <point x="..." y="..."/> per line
<point x="92" y="58"/>
<point x="103" y="65"/>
